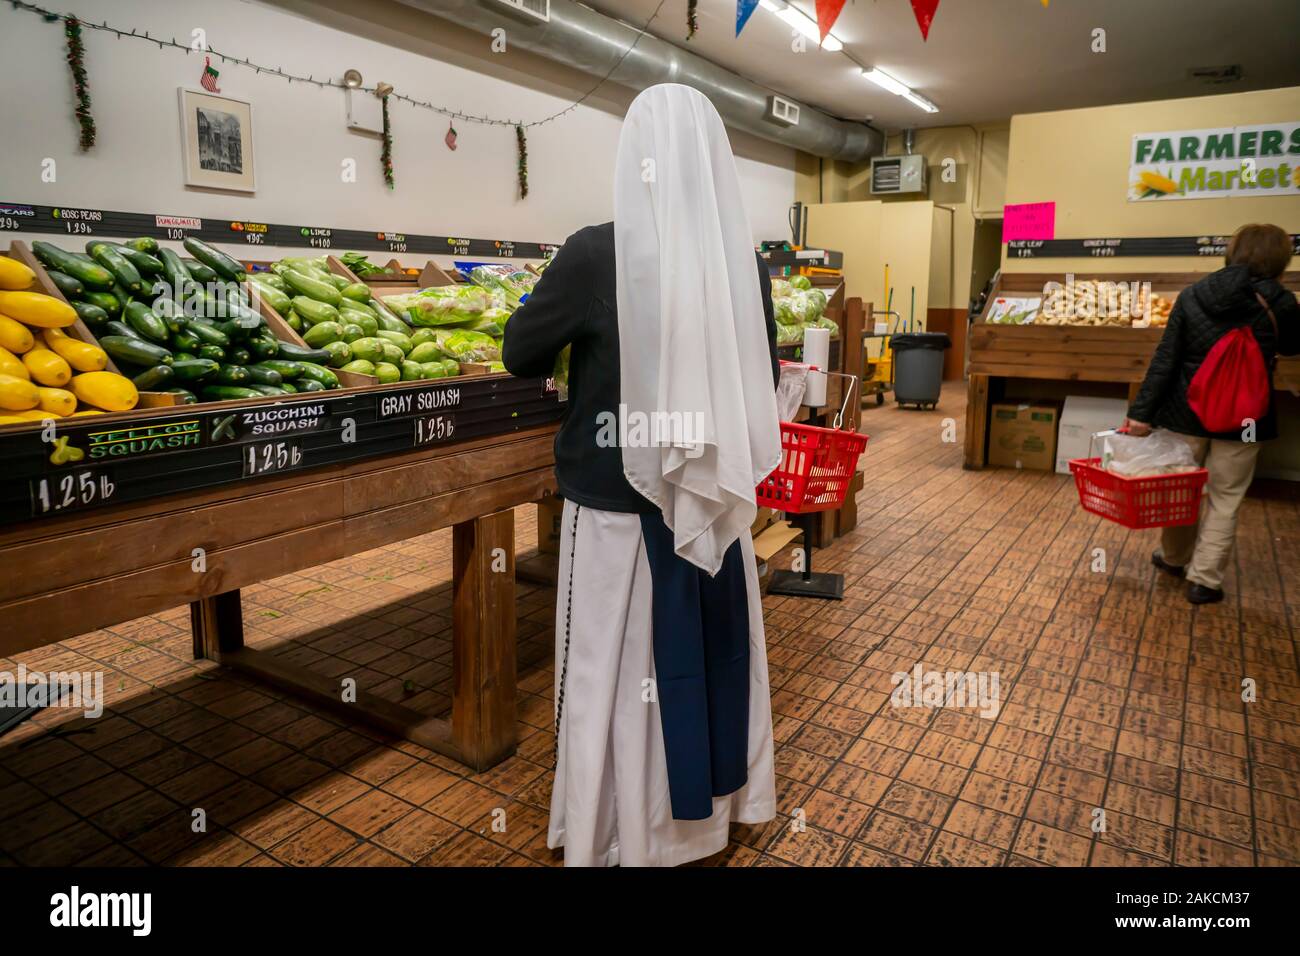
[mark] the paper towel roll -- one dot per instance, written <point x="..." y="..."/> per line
<point x="816" y="351"/>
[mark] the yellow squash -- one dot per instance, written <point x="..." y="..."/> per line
<point x="57" y="400"/>
<point x="14" y="336"/>
<point x="14" y="275"/>
<point x="35" y="308"/>
<point x="11" y="365"/>
<point x="106" y="390"/>
<point x="17" y="394"/>
<point x="82" y="356"/>
<point x="46" y="368"/>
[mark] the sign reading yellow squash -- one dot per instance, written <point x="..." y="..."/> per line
<point x="1261" y="160"/>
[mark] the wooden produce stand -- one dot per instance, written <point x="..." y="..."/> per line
<point x="1001" y="354"/>
<point x="271" y="486"/>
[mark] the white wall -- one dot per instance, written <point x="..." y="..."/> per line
<point x="300" y="137"/>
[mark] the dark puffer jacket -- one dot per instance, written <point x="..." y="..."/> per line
<point x="1203" y="314"/>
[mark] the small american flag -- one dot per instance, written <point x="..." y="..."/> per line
<point x="209" y="78"/>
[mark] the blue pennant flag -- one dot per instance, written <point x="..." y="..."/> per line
<point x="743" y="9"/>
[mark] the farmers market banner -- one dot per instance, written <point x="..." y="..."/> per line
<point x="1260" y="160"/>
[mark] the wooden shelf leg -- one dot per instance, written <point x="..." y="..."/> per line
<point x="217" y="624"/>
<point x="483" y="642"/>
<point x="977" y="421"/>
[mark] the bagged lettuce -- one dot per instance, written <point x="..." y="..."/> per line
<point x="789" y="334"/>
<point x="824" y="323"/>
<point x="492" y="322"/>
<point x="467" y="346"/>
<point x="514" y="284"/>
<point x="561" y="373"/>
<point x="784" y="312"/>
<point x="781" y="289"/>
<point x="802" y="283"/>
<point x="440" y="305"/>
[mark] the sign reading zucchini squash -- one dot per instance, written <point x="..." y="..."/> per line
<point x="1259" y="160"/>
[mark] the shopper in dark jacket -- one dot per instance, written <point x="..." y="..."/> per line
<point x="1257" y="255"/>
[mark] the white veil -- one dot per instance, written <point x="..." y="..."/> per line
<point x="693" y="350"/>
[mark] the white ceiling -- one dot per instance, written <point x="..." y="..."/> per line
<point x="986" y="60"/>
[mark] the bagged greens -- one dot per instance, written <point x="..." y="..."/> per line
<point x="440" y="305"/>
<point x="512" y="283"/>
<point x="467" y="346"/>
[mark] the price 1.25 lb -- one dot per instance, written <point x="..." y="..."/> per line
<point x="433" y="428"/>
<point x="73" y="490"/>
<point x="267" y="458"/>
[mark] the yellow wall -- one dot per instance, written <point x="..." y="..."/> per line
<point x="871" y="234"/>
<point x="980" y="157"/>
<point x="1080" y="160"/>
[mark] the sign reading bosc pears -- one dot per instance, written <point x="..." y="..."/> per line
<point x="1259" y="160"/>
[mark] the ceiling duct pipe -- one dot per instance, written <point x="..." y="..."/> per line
<point x="909" y="140"/>
<point x="579" y="37"/>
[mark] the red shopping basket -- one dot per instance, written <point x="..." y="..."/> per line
<point x="817" y="465"/>
<point x="1159" y="501"/>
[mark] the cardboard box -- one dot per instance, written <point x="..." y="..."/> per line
<point x="549" y="512"/>
<point x="1082" y="416"/>
<point x="1023" y="436"/>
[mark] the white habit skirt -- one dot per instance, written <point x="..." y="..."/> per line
<point x="610" y="804"/>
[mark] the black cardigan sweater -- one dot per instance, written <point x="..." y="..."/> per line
<point x="574" y="304"/>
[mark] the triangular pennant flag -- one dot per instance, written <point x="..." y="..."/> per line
<point x="924" y="11"/>
<point x="743" y="9"/>
<point x="828" y="11"/>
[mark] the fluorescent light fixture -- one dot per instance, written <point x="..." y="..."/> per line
<point x="898" y="88"/>
<point x="800" y="21"/>
<point x="918" y="100"/>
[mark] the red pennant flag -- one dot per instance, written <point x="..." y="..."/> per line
<point x="924" y="11"/>
<point x="828" y="11"/>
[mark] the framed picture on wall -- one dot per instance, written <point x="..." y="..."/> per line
<point x="217" y="140"/>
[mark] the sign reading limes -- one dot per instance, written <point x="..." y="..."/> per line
<point x="1260" y="160"/>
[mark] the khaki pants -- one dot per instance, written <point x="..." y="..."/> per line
<point x="1204" y="547"/>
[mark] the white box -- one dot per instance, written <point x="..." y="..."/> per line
<point x="1080" y="418"/>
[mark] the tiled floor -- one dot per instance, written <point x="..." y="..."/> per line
<point x="1120" y="704"/>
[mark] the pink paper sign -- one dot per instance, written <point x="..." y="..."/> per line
<point x="1029" y="220"/>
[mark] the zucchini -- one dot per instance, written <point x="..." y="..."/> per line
<point x="208" y="334"/>
<point x="264" y="347"/>
<point x="348" y="305"/>
<point x="135" y="351"/>
<point x="90" y="313"/>
<point x="187" y="397"/>
<point x="305" y="285"/>
<point x="313" y="312"/>
<point x="217" y="261"/>
<point x="288" y="371"/>
<point x="107" y="256"/>
<point x="308" y="385"/>
<point x="183" y="357"/>
<point x="231" y="375"/>
<point x="356" y="292"/>
<point x="174" y="271"/>
<point x="272" y="296"/>
<point x="144" y="244"/>
<point x="65" y="283"/>
<point x="90" y="274"/>
<point x="319" y="374"/>
<point x="296" y="353"/>
<point x="106" y="301"/>
<point x="269" y="389"/>
<point x="227" y="393"/>
<point x="141" y="318"/>
<point x="387" y="323"/>
<point x="201" y="273"/>
<point x="185" y="342"/>
<point x="295" y="323"/>
<point x="338" y="282"/>
<point x="287" y="387"/>
<point x="264" y="376"/>
<point x="145" y="264"/>
<point x="214" y="352"/>
<point x="273" y="280"/>
<point x="238" y="356"/>
<point x="191" y="370"/>
<point x="151" y="379"/>
<point x="114" y="327"/>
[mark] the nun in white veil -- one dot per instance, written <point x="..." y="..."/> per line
<point x="663" y="723"/>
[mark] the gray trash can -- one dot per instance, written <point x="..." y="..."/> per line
<point x="918" y="367"/>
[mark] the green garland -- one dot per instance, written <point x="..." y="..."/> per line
<point x="522" y="142"/>
<point x="76" y="62"/>
<point x="386" y="154"/>
<point x="692" y="20"/>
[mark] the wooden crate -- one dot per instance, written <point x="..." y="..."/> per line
<point x="21" y="252"/>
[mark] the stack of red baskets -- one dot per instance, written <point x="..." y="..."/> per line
<point x="816" y="468"/>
